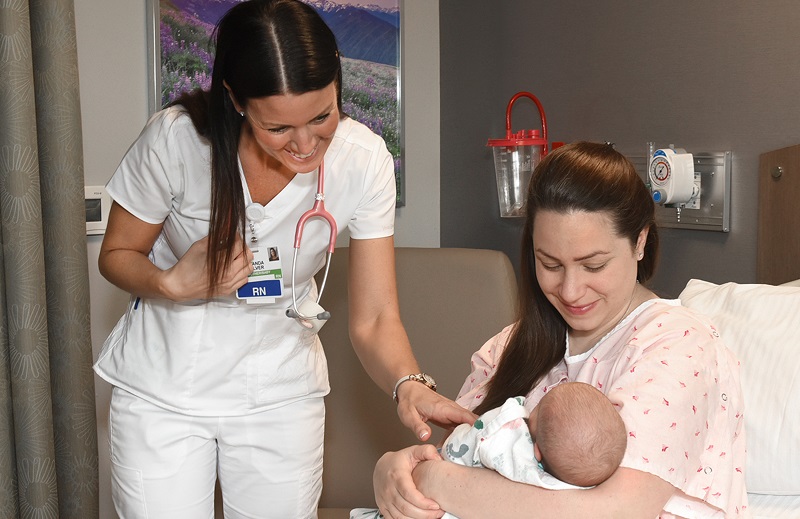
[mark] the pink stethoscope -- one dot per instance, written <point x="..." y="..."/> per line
<point x="317" y="210"/>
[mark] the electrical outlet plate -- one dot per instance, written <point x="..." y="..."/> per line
<point x="712" y="213"/>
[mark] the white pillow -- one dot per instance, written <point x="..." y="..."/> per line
<point x="761" y="325"/>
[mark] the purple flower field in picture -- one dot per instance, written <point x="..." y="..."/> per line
<point x="370" y="59"/>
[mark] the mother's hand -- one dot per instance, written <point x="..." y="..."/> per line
<point x="395" y="492"/>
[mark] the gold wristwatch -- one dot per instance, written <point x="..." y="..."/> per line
<point x="424" y="378"/>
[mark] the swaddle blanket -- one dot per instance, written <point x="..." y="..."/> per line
<point x="499" y="440"/>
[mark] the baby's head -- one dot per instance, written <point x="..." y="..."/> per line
<point x="578" y="434"/>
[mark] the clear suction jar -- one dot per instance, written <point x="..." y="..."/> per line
<point x="513" y="167"/>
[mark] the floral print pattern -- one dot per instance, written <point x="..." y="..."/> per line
<point x="677" y="389"/>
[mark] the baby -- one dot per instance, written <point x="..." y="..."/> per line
<point x="574" y="438"/>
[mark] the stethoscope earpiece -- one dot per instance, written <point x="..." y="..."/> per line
<point x="322" y="316"/>
<point x="311" y="316"/>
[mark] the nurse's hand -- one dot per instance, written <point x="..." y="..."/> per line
<point x="395" y="492"/>
<point x="417" y="405"/>
<point x="188" y="278"/>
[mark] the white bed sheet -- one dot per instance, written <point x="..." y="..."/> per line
<point x="764" y="506"/>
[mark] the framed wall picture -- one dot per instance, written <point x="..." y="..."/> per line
<point x="369" y="41"/>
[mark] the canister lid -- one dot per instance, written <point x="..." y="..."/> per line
<point x="521" y="138"/>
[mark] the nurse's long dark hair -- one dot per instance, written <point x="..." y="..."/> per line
<point x="263" y="48"/>
<point x="581" y="176"/>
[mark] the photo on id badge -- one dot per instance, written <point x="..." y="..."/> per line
<point x="265" y="284"/>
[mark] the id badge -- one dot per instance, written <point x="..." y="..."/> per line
<point x="265" y="284"/>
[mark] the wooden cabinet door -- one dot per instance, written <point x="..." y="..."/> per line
<point x="778" y="257"/>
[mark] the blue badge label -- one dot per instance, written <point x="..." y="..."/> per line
<point x="267" y="288"/>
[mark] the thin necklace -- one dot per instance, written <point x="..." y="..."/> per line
<point x="628" y="308"/>
<point x="594" y="340"/>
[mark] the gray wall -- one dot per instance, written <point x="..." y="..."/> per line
<point x="706" y="76"/>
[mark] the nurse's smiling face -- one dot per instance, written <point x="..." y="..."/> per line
<point x="586" y="271"/>
<point x="294" y="130"/>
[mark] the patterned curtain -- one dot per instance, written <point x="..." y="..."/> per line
<point x="48" y="434"/>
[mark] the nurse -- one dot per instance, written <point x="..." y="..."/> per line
<point x="209" y="383"/>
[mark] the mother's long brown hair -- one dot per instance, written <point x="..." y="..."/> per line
<point x="581" y="176"/>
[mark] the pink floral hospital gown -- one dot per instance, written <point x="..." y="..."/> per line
<point x="677" y="389"/>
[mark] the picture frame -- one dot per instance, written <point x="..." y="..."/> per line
<point x="368" y="38"/>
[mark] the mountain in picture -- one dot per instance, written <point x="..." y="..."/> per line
<point x="365" y="32"/>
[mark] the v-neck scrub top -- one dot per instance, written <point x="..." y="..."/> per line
<point x="224" y="357"/>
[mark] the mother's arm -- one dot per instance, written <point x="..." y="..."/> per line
<point x="481" y="493"/>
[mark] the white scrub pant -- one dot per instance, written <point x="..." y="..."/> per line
<point x="164" y="464"/>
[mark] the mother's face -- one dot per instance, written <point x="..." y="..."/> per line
<point x="586" y="271"/>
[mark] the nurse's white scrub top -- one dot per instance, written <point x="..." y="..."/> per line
<point x="225" y="357"/>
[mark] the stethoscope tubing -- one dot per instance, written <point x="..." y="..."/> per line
<point x="317" y="211"/>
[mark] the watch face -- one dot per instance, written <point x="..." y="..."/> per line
<point x="428" y="379"/>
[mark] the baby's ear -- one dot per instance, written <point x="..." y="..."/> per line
<point x="536" y="452"/>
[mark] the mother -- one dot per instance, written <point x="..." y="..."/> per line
<point x="589" y="242"/>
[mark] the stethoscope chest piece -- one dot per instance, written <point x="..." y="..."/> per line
<point x="309" y="307"/>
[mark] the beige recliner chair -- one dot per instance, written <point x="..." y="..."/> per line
<point x="451" y="302"/>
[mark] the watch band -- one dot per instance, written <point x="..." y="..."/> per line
<point x="423" y="378"/>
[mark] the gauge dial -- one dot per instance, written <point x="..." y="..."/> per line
<point x="660" y="169"/>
